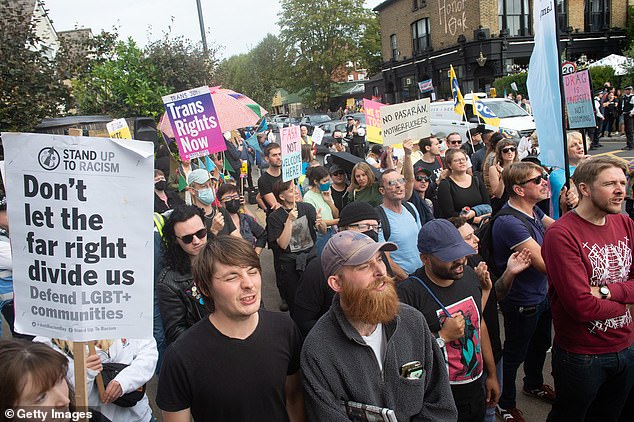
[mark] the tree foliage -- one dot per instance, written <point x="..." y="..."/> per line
<point x="181" y="64"/>
<point x="504" y="84"/>
<point x="321" y="37"/>
<point x="127" y="85"/>
<point x="30" y="88"/>
<point x="258" y="73"/>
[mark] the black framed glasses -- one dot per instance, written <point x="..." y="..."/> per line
<point x="508" y="149"/>
<point x="338" y="173"/>
<point x="230" y="198"/>
<point x="366" y="227"/>
<point x="536" y="180"/>
<point x="454" y="142"/>
<point x="189" y="238"/>
<point x="422" y="178"/>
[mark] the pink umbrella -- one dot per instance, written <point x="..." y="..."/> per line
<point x="234" y="111"/>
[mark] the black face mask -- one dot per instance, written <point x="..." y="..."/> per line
<point x="233" y="206"/>
<point x="372" y="235"/>
<point x="160" y="185"/>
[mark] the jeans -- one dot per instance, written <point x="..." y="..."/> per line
<point x="490" y="411"/>
<point x="528" y="338"/>
<point x="591" y="387"/>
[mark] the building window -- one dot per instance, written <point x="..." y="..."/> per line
<point x="418" y="4"/>
<point x="597" y="15"/>
<point x="515" y="15"/>
<point x="394" y="46"/>
<point x="421" y="37"/>
<point x="562" y="14"/>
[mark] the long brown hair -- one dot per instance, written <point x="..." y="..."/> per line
<point x="364" y="167"/>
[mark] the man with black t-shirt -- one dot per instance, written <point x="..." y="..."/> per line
<point x="449" y="295"/>
<point x="242" y="362"/>
<point x="273" y="156"/>
<point x="431" y="161"/>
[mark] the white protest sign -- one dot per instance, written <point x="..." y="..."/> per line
<point x="405" y="121"/>
<point x="118" y="129"/>
<point x="81" y="233"/>
<point x="291" y="153"/>
<point x="318" y="135"/>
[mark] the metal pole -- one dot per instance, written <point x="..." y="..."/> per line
<point x="202" y="27"/>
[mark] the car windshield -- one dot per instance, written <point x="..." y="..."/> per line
<point x="504" y="109"/>
<point x="319" y="118"/>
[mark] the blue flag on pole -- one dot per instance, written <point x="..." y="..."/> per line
<point x="252" y="141"/>
<point x="543" y="84"/>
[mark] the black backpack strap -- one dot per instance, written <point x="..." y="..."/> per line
<point x="409" y="207"/>
<point x="515" y="213"/>
<point x="385" y="223"/>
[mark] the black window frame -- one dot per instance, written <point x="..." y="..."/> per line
<point x="524" y="17"/>
<point x="598" y="19"/>
<point x="420" y="43"/>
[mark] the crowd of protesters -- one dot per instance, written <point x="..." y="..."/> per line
<point x="392" y="271"/>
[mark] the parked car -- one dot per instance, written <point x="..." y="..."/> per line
<point x="276" y="122"/>
<point x="313" y="120"/>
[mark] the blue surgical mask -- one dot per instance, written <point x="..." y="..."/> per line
<point x="324" y="187"/>
<point x="206" y="196"/>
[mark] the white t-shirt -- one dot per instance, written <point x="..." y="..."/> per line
<point x="376" y="341"/>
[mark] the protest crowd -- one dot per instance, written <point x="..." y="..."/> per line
<point x="393" y="265"/>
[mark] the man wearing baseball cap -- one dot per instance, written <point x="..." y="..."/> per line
<point x="448" y="293"/>
<point x="202" y="187"/>
<point x="369" y="349"/>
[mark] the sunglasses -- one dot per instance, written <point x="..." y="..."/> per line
<point x="396" y="182"/>
<point x="455" y="142"/>
<point x="189" y="238"/>
<point x="338" y="173"/>
<point x="509" y="149"/>
<point x="536" y="180"/>
<point x="422" y="178"/>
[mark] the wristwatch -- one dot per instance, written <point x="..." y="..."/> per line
<point x="604" y="292"/>
<point x="440" y="342"/>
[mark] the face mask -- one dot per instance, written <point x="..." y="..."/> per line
<point x="206" y="196"/>
<point x="324" y="187"/>
<point x="233" y="206"/>
<point x="372" y="235"/>
<point x="160" y="185"/>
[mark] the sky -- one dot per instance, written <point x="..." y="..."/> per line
<point x="235" y="26"/>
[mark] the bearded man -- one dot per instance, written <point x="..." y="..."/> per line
<point x="369" y="349"/>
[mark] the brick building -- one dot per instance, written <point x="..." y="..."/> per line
<point x="483" y="40"/>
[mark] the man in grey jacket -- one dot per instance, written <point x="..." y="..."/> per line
<point x="369" y="348"/>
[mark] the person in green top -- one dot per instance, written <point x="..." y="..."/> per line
<point x="319" y="197"/>
<point x="364" y="186"/>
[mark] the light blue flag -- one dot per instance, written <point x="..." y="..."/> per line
<point x="263" y="126"/>
<point x="210" y="164"/>
<point x="252" y="141"/>
<point x="200" y="164"/>
<point x="543" y="84"/>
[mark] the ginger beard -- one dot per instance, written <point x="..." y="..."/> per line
<point x="368" y="304"/>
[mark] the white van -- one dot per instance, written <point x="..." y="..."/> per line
<point x="514" y="120"/>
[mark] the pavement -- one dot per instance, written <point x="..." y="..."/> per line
<point x="533" y="409"/>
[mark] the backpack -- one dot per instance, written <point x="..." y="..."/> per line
<point x="485" y="234"/>
<point x="385" y="222"/>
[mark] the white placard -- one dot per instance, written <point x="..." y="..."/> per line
<point x="405" y="121"/>
<point x="291" y="152"/>
<point x="318" y="135"/>
<point x="81" y="235"/>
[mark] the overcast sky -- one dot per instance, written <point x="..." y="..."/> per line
<point x="234" y="25"/>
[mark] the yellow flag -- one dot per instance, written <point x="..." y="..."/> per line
<point x="458" y="101"/>
<point x="484" y="112"/>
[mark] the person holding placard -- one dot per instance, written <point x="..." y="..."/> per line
<point x="139" y="356"/>
<point x="293" y="228"/>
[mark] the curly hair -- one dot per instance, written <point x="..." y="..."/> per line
<point x="174" y="256"/>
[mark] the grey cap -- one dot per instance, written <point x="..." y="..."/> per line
<point x="350" y="248"/>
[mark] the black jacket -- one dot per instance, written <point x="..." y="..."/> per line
<point x="180" y="309"/>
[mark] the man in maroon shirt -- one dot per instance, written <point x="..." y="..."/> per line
<point x="588" y="257"/>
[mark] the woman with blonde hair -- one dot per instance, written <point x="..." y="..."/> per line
<point x="505" y="155"/>
<point x="364" y="186"/>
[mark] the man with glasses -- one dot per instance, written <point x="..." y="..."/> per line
<point x="202" y="188"/>
<point x="402" y="219"/>
<point x="526" y="308"/>
<point x="339" y="186"/>
<point x="424" y="206"/>
<point x="313" y="297"/>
